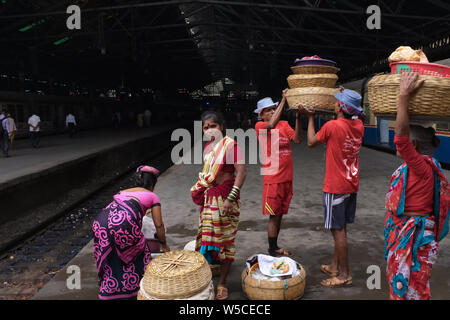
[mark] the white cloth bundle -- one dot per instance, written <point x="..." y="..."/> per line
<point x="148" y="227"/>
<point x="265" y="264"/>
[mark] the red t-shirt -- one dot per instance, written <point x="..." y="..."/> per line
<point x="420" y="178"/>
<point x="284" y="156"/>
<point x="343" y="138"/>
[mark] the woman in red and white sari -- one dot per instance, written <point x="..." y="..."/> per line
<point x="217" y="193"/>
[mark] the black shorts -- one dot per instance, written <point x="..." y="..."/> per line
<point x="339" y="209"/>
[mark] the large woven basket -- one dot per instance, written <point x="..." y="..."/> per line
<point x="314" y="69"/>
<point x="312" y="97"/>
<point x="176" y="275"/>
<point x="207" y="294"/>
<point x="290" y="289"/>
<point x="325" y="80"/>
<point x="432" y="99"/>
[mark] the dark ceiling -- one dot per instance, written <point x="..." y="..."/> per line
<point x="191" y="43"/>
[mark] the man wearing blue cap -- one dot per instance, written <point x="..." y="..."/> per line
<point x="343" y="138"/>
<point x="277" y="186"/>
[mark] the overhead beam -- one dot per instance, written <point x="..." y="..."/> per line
<point x="223" y="2"/>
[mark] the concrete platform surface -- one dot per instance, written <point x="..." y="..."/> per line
<point x="302" y="229"/>
<point x="58" y="149"/>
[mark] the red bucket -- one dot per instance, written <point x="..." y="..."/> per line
<point x="425" y="69"/>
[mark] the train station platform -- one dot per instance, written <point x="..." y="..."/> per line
<point x="47" y="180"/>
<point x="302" y="230"/>
<point x="58" y="149"/>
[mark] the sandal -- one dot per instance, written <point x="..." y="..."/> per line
<point x="336" y="282"/>
<point x="325" y="268"/>
<point x="280" y="253"/>
<point x="222" y="293"/>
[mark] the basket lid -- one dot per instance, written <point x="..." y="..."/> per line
<point x="176" y="274"/>
<point x="313" y="61"/>
<point x="175" y="263"/>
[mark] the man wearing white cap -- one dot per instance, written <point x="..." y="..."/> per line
<point x="277" y="189"/>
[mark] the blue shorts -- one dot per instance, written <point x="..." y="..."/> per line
<point x="339" y="209"/>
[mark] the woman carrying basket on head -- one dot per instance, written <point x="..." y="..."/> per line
<point x="217" y="193"/>
<point x="417" y="203"/>
<point x="120" y="248"/>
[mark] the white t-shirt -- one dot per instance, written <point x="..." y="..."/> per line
<point x="70" y="119"/>
<point x="33" y="121"/>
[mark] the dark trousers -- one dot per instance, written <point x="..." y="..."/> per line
<point x="5" y="143"/>
<point x="72" y="129"/>
<point x="35" y="139"/>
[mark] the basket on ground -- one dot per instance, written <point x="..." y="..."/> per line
<point x="176" y="275"/>
<point x="312" y="97"/>
<point x="207" y="294"/>
<point x="325" y="80"/>
<point x="215" y="268"/>
<point x="289" y="289"/>
<point x="310" y="69"/>
<point x="431" y="99"/>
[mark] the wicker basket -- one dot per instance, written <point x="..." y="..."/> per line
<point x="207" y="294"/>
<point x="432" y="99"/>
<point x="312" y="97"/>
<point x="290" y="289"/>
<point x="176" y="275"/>
<point x="326" y="80"/>
<point x="314" y="69"/>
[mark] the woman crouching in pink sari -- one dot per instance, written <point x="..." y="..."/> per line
<point x="120" y="248"/>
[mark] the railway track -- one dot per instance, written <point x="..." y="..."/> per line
<point x="29" y="262"/>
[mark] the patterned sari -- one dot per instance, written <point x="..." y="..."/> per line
<point x="120" y="249"/>
<point x="216" y="231"/>
<point x="411" y="243"/>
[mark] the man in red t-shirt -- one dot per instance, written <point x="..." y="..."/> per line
<point x="277" y="167"/>
<point x="343" y="138"/>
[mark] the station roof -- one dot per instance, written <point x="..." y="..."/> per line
<point x="191" y="43"/>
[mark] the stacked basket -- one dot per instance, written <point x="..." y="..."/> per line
<point x="431" y="100"/>
<point x="176" y="275"/>
<point x="312" y="84"/>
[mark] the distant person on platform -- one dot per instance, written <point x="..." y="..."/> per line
<point x="343" y="138"/>
<point x="12" y="128"/>
<point x="5" y="134"/>
<point x="71" y="124"/>
<point x="34" y="123"/>
<point x="147" y="118"/>
<point x="277" y="186"/>
<point x="116" y="120"/>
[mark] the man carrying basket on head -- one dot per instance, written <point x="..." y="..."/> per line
<point x="277" y="189"/>
<point x="343" y="138"/>
<point x="417" y="203"/>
